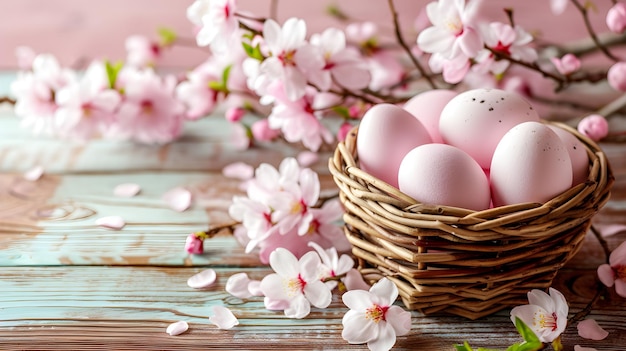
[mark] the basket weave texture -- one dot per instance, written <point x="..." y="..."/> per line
<point x="452" y="260"/>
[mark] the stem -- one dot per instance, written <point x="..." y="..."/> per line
<point x="601" y="288"/>
<point x="216" y="230"/>
<point x="274" y="9"/>
<point x="8" y="100"/>
<point x="592" y="33"/>
<point x="613" y="106"/>
<point x="396" y="27"/>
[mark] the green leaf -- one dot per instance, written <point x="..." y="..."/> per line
<point x="167" y="35"/>
<point x="464" y="347"/>
<point x="342" y="111"/>
<point x="112" y="71"/>
<point x="531" y="341"/>
<point x="253" y="52"/>
<point x="225" y="75"/>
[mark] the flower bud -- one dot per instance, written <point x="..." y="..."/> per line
<point x="616" y="18"/>
<point x="344" y="130"/>
<point x="567" y="64"/>
<point x="595" y="127"/>
<point x="262" y="131"/>
<point x="617" y="76"/>
<point x="194" y="245"/>
<point x="235" y="114"/>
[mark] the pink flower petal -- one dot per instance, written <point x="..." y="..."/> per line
<point x="223" y="318"/>
<point x="354" y="281"/>
<point x="589" y="329"/>
<point x="126" y="190"/>
<point x="582" y="348"/>
<point x="177" y="328"/>
<point x="34" y="174"/>
<point x="111" y="222"/>
<point x="254" y="287"/>
<point x="606" y="275"/>
<point x="203" y="279"/>
<point x="178" y="199"/>
<point x="238" y="170"/>
<point x="237" y="285"/>
<point x="307" y="158"/>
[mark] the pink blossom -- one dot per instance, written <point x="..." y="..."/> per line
<point x="372" y="318"/>
<point x="220" y="26"/>
<point x="194" y="244"/>
<point x="616" y="18"/>
<point x="235" y="114"/>
<point x="291" y="207"/>
<point x="290" y="58"/>
<point x="617" y="76"/>
<point x="502" y="38"/>
<point x="256" y="218"/>
<point x="567" y="64"/>
<point x="614" y="273"/>
<point x="343" y="131"/>
<point x="545" y="314"/>
<point x="331" y="264"/>
<point x="343" y="65"/>
<point x="595" y="127"/>
<point x="295" y="283"/>
<point x="261" y="130"/>
<point x="453" y="32"/>
<point x="86" y="109"/>
<point x="149" y="113"/>
<point x="454" y="70"/>
<point x="589" y="329"/>
<point x="141" y="51"/>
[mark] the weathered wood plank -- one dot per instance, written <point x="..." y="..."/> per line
<point x="102" y="307"/>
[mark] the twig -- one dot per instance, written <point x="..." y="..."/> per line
<point x="585" y="13"/>
<point x="613" y="106"/>
<point x="274" y="9"/>
<point x="8" y="100"/>
<point x="396" y="27"/>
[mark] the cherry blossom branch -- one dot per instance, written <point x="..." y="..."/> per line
<point x="399" y="37"/>
<point x="230" y="227"/>
<point x="592" y="34"/>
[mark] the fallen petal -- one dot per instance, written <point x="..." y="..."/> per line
<point x="126" y="190"/>
<point x="307" y="158"/>
<point x="34" y="174"/>
<point x="178" y="199"/>
<point x="582" y="348"/>
<point x="111" y="222"/>
<point x="589" y="329"/>
<point x="177" y="328"/>
<point x="254" y="287"/>
<point x="237" y="285"/>
<point x="203" y="279"/>
<point x="223" y="318"/>
<point x="238" y="170"/>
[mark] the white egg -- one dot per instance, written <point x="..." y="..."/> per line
<point x="427" y="107"/>
<point x="530" y="164"/>
<point x="577" y="153"/>
<point x="442" y="174"/>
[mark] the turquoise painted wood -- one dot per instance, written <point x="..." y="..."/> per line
<point x="67" y="284"/>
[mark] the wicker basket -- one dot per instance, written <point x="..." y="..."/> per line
<point x="451" y="260"/>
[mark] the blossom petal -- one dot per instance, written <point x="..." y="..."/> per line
<point x="589" y="329"/>
<point x="111" y="222"/>
<point x="237" y="285"/>
<point x="33" y="174"/>
<point x="527" y="314"/>
<point x="126" y="190"/>
<point x="618" y="256"/>
<point x="358" y="300"/>
<point x="433" y="39"/>
<point x="284" y="263"/>
<point x="273" y="287"/>
<point x="309" y="262"/>
<point x="606" y="275"/>
<point x="254" y="287"/>
<point x="177" y="328"/>
<point x="581" y="348"/>
<point x="357" y="329"/>
<point x="399" y="319"/>
<point x="318" y="294"/>
<point x="223" y="318"/>
<point x="298" y="308"/>
<point x="386" y="338"/>
<point x="238" y="170"/>
<point x="307" y="158"/>
<point x="203" y="279"/>
<point x="275" y="305"/>
<point x="620" y="287"/>
<point x="354" y="281"/>
<point x="178" y="199"/>
<point x="386" y="291"/>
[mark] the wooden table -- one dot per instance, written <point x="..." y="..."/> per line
<point x="67" y="284"/>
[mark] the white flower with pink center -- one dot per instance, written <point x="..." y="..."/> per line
<point x="332" y="264"/>
<point x="295" y="285"/>
<point x="149" y="113"/>
<point x="454" y="30"/>
<point x="372" y="318"/>
<point x="545" y="314"/>
<point x="141" y="51"/>
<point x="512" y="41"/>
<point x="614" y="273"/>
<point x="86" y="108"/>
<point x="219" y="24"/>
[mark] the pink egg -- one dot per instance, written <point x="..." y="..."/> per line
<point x="442" y="174"/>
<point x="386" y="134"/>
<point x="476" y="120"/>
<point x="427" y="107"/>
<point x="530" y="164"/>
<point x="577" y="153"/>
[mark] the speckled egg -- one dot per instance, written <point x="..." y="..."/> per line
<point x="530" y="164"/>
<point x="442" y="174"/>
<point x="387" y="133"/>
<point x="476" y="120"/>
<point x="577" y="153"/>
<point x="427" y="107"/>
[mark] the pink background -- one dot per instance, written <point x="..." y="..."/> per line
<point x="86" y="29"/>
